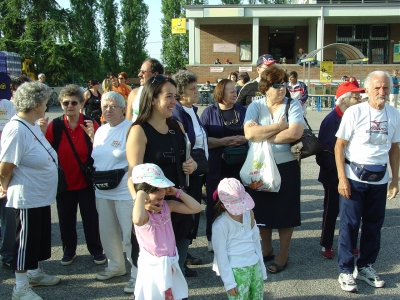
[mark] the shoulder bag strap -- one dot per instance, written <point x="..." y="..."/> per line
<point x="38" y="141"/>
<point x="287" y="113"/>
<point x="177" y="159"/>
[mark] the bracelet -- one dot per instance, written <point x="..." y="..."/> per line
<point x="178" y="194"/>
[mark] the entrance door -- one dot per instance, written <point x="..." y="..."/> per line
<point x="281" y="43"/>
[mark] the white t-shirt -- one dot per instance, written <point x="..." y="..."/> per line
<point x="35" y="177"/>
<point x="7" y="110"/>
<point x="109" y="153"/>
<point x="201" y="137"/>
<point x="369" y="134"/>
<point x="135" y="104"/>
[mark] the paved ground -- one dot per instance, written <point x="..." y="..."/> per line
<point x="308" y="276"/>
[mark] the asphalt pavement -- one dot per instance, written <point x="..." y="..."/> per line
<point x="308" y="275"/>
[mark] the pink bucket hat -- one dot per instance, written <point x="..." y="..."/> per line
<point x="235" y="199"/>
<point x="150" y="174"/>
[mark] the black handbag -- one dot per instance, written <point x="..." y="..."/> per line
<point x="199" y="156"/>
<point x="108" y="180"/>
<point x="235" y="155"/>
<point x="308" y="144"/>
<point x="62" y="185"/>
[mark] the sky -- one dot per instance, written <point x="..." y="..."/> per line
<point x="154" y="43"/>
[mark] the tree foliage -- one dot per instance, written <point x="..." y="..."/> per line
<point x="231" y="1"/>
<point x="134" y="25"/>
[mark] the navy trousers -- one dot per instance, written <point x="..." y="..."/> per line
<point x="367" y="204"/>
<point x="331" y="211"/>
<point x="8" y="228"/>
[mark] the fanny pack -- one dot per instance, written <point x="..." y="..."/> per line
<point x="368" y="172"/>
<point x="234" y="155"/>
<point x="108" y="180"/>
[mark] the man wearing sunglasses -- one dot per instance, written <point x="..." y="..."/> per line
<point x="150" y="67"/>
<point x="249" y="91"/>
<point x="118" y="87"/>
<point x="367" y="140"/>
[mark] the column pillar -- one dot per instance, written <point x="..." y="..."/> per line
<point x="255" y="40"/>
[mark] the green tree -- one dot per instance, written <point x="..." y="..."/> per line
<point x="231" y="1"/>
<point x="110" y="56"/>
<point x="175" y="47"/>
<point x="134" y="24"/>
<point x="86" y="34"/>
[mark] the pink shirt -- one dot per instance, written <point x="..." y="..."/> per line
<point x="157" y="236"/>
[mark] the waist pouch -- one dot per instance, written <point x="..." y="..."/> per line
<point x="108" y="180"/>
<point x="234" y="155"/>
<point x="368" y="172"/>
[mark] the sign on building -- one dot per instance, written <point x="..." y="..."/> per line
<point x="326" y="71"/>
<point x="178" y="25"/>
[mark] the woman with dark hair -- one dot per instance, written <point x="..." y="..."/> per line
<point x="185" y="112"/>
<point x="92" y="100"/>
<point x="233" y="76"/>
<point x="71" y="135"/>
<point x="243" y="79"/>
<point x="223" y="122"/>
<point x="156" y="138"/>
<point x="266" y="121"/>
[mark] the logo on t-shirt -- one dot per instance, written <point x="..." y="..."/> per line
<point x="116" y="143"/>
<point x="378" y="127"/>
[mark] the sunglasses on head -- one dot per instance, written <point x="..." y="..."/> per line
<point x="158" y="78"/>
<point x="278" y="85"/>
<point x="73" y="103"/>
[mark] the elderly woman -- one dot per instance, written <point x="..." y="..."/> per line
<point x="223" y="122"/>
<point x="266" y="120"/>
<point x="92" y="100"/>
<point x="156" y="138"/>
<point x="114" y="206"/>
<point x="28" y="177"/>
<point x="71" y="135"/>
<point x="186" y="114"/>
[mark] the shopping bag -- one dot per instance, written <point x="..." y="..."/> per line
<point x="259" y="171"/>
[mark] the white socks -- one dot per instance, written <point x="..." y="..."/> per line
<point x="21" y="279"/>
<point x="34" y="272"/>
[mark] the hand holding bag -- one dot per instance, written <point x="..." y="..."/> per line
<point x="308" y="144"/>
<point x="259" y="171"/>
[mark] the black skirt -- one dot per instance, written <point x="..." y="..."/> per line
<point x="282" y="209"/>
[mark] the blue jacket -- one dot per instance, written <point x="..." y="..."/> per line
<point x="326" y="159"/>
<point x="182" y="116"/>
<point x="214" y="128"/>
<point x="299" y="88"/>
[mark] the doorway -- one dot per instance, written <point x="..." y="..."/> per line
<point x="281" y="43"/>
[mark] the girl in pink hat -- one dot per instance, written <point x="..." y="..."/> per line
<point x="237" y="250"/>
<point x="159" y="275"/>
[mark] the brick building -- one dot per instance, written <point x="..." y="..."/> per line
<point x="243" y="32"/>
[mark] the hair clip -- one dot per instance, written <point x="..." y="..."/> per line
<point x="215" y="195"/>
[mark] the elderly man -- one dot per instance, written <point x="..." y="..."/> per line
<point x="346" y="95"/>
<point x="367" y="140"/>
<point x="394" y="92"/>
<point x="150" y="67"/>
<point x="249" y="91"/>
<point x="42" y="78"/>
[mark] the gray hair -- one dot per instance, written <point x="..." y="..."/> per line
<point x="71" y="90"/>
<point x="41" y="75"/>
<point x="367" y="80"/>
<point x="30" y="93"/>
<point x="113" y="96"/>
<point x="182" y="79"/>
<point x="344" y="96"/>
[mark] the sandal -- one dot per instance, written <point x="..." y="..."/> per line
<point x="278" y="268"/>
<point x="270" y="256"/>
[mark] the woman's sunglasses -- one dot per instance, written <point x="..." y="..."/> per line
<point x="73" y="103"/>
<point x="278" y="85"/>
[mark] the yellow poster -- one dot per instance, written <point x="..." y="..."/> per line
<point x="326" y="71"/>
<point x="178" y="25"/>
<point x="396" y="53"/>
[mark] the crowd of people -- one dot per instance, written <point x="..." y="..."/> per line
<point x="136" y="162"/>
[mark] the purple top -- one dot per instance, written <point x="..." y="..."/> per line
<point x="157" y="236"/>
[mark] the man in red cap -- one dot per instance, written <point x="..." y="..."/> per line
<point x="367" y="140"/>
<point x="249" y="91"/>
<point x="346" y="95"/>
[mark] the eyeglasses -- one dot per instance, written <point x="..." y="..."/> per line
<point x="73" y="103"/>
<point x="110" y="107"/>
<point x="279" y="85"/>
<point x="227" y="123"/>
<point x="143" y="71"/>
<point x="356" y="97"/>
<point x="158" y="78"/>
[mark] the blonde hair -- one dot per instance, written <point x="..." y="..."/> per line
<point x="107" y="85"/>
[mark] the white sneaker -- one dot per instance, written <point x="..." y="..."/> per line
<point x="210" y="247"/>
<point x="24" y="293"/>
<point x="368" y="274"/>
<point x="130" y="286"/>
<point x="107" y="274"/>
<point x="42" y="279"/>
<point x="347" y="282"/>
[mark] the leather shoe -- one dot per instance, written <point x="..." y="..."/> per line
<point x="190" y="260"/>
<point x="189" y="272"/>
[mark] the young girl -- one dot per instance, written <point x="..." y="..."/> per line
<point x="237" y="250"/>
<point x="159" y="274"/>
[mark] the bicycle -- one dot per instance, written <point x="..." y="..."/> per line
<point x="53" y="100"/>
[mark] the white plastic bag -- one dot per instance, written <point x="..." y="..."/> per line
<point x="259" y="171"/>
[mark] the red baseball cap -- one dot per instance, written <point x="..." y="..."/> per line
<point x="346" y="87"/>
